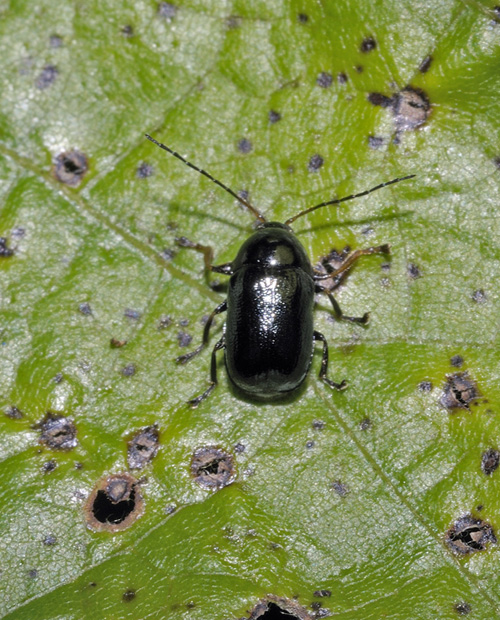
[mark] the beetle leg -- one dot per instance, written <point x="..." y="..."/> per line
<point x="324" y="364"/>
<point x="182" y="359"/>
<point x="208" y="256"/>
<point x="338" y="310"/>
<point x="194" y="402"/>
<point x="350" y="260"/>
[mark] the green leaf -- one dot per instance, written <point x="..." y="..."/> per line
<point x="359" y="505"/>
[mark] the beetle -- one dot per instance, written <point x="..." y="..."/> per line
<point x="268" y="338"/>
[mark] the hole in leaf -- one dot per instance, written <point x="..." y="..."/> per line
<point x="276" y="608"/>
<point x="70" y="167"/>
<point x="142" y="448"/>
<point x="459" y="390"/>
<point x="490" y="460"/>
<point x="212" y="468"/>
<point x="57" y="432"/>
<point x="468" y="535"/>
<point x="114" y="504"/>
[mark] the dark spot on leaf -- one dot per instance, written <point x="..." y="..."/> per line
<point x="14" y="413"/>
<point x="496" y="161"/>
<point x="85" y="308"/>
<point x="57" y="432"/>
<point x="322" y="593"/>
<point x="127" y="31"/>
<point x="50" y="540"/>
<point x="340" y="488"/>
<point x="49" y="466"/>
<point x="490" y="459"/>
<point x="245" y="194"/>
<point x="425" y="386"/>
<point x="459" y="390"/>
<point x="386" y="267"/>
<point x="365" y="424"/>
<point x="244" y="145"/>
<point x="274" y="116"/>
<point x="33" y="573"/>
<point x="462" y="608"/>
<point x="479" y="296"/>
<point x="183" y="322"/>
<point x="114" y="504"/>
<point x="78" y="465"/>
<point x="457" y="361"/>
<point x="70" y="167"/>
<point x="164" y="322"/>
<point x="380" y="100"/>
<point x="47" y="77"/>
<point x="318" y="425"/>
<point x="170" y="509"/>
<point x="167" y="253"/>
<point x="18" y="232"/>
<point x="359" y="68"/>
<point x="184" y="339"/>
<point x="143" y="447"/>
<point x="303" y="18"/>
<point x="315" y="163"/>
<point x="114" y="343"/>
<point x="342" y="78"/>
<point x="411" y="108"/>
<point x="212" y="468"/>
<point x="375" y="142"/>
<point x="5" y="251"/>
<point x="167" y="11"/>
<point x="324" y="80"/>
<point x="367" y="45"/>
<point x="233" y="22"/>
<point x="309" y="444"/>
<point x="239" y="448"/>
<point x="130" y="313"/>
<point x="425" y="64"/>
<point x="55" y="41"/>
<point x="144" y="170"/>
<point x="129" y="370"/>
<point x="276" y="608"/>
<point x="128" y="595"/>
<point x="468" y="535"/>
<point x="413" y="271"/>
<point x="59" y="378"/>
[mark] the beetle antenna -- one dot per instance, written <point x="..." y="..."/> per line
<point x="252" y="209"/>
<point x="338" y="200"/>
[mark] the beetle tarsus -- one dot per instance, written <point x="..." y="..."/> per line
<point x="324" y="364"/>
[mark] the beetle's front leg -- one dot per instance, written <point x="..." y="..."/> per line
<point x="324" y="364"/>
<point x="338" y="310"/>
<point x="182" y="359"/>
<point x="194" y="402"/>
<point x="208" y="256"/>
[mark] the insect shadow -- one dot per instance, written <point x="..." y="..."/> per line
<point x="268" y="337"/>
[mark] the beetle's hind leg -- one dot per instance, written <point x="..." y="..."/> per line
<point x="338" y="310"/>
<point x="324" y="364"/>
<point x="194" y="402"/>
<point x="182" y="359"/>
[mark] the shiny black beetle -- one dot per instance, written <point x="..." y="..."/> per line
<point x="269" y="335"/>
